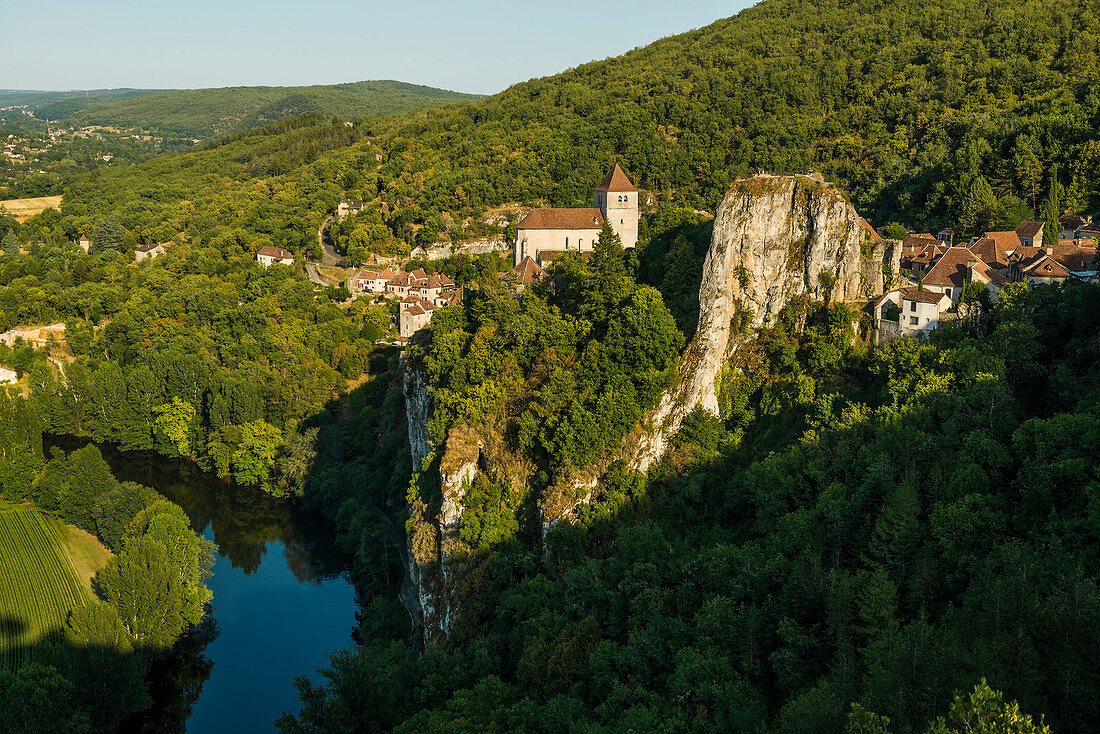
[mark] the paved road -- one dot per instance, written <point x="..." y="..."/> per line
<point x="315" y="275"/>
<point x="331" y="257"/>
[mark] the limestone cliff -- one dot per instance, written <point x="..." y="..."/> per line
<point x="775" y="238"/>
<point x="435" y="537"/>
<point x="418" y="410"/>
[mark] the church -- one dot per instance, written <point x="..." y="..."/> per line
<point x="546" y="233"/>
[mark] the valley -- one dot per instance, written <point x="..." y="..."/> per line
<point x="742" y="382"/>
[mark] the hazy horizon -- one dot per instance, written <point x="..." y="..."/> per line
<point x="476" y="47"/>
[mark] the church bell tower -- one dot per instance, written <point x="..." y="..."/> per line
<point x="617" y="199"/>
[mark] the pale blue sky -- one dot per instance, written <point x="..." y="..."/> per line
<point x="471" y="46"/>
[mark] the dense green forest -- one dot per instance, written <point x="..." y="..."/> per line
<point x="150" y="593"/>
<point x="883" y="527"/>
<point x="880" y="526"/>
<point x="203" y="113"/>
<point x="977" y="115"/>
<point x="905" y="104"/>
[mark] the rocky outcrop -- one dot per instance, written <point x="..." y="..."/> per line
<point x="775" y="238"/>
<point x="457" y="470"/>
<point x="418" y="410"/>
<point x="435" y="538"/>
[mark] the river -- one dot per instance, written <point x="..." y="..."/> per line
<point x="282" y="602"/>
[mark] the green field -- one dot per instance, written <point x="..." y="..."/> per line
<point x="38" y="584"/>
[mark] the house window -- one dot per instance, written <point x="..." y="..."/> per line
<point x="913" y="321"/>
<point x="567" y="243"/>
<point x="947" y="291"/>
<point x="912" y="305"/>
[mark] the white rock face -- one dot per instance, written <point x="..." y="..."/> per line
<point x="457" y="470"/>
<point x="775" y="238"/>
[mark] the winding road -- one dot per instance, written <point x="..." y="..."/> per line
<point x="331" y="257"/>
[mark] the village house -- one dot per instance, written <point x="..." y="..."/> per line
<point x="543" y="231"/>
<point x="370" y="281"/>
<point x="1057" y="263"/>
<point x="8" y="376"/>
<point x="1073" y="224"/>
<point x="413" y="315"/>
<point x="349" y="206"/>
<point x="957" y="267"/>
<point x="919" y="252"/>
<point x="268" y="256"/>
<point x="84" y="243"/>
<point x="147" y="252"/>
<point x="433" y="286"/>
<point x="908" y="312"/>
<point x="1030" y="233"/>
<point x="401" y="283"/>
<point x="526" y="273"/>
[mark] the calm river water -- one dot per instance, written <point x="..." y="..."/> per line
<point x="282" y="602"/>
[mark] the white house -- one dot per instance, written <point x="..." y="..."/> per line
<point x="349" y="206"/>
<point x="957" y="267"/>
<point x="414" y="315"/>
<point x="269" y="255"/>
<point x="147" y="252"/>
<point x="8" y="377"/>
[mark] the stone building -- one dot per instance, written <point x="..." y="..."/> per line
<point x="615" y="201"/>
<point x="147" y="252"/>
<point x="268" y="255"/>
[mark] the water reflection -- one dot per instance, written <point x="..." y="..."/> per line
<point x="277" y="617"/>
<point x="244" y="520"/>
<point x="176" y="681"/>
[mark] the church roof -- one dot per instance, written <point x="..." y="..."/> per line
<point x="616" y="180"/>
<point x="587" y="218"/>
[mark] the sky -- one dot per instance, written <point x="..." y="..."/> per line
<point x="479" y="46"/>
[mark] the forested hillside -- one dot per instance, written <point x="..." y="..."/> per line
<point x="879" y="526"/>
<point x="203" y="113"/>
<point x="949" y="111"/>
<point x="902" y="103"/>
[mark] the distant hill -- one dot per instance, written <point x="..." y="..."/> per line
<point x="204" y="113"/>
<point x="933" y="113"/>
<point x="57" y="105"/>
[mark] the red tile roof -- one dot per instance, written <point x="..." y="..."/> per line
<point x="1046" y="266"/>
<point x="1072" y="222"/>
<point x="922" y="296"/>
<point x="616" y="181"/>
<point x="528" y="271"/>
<point x="869" y="230"/>
<point x="587" y="218"/>
<point x="917" y="242"/>
<point x="1029" y="228"/>
<point x="990" y="252"/>
<point x="439" y="280"/>
<point x="277" y="252"/>
<point x="1005" y="240"/>
<point x="952" y="268"/>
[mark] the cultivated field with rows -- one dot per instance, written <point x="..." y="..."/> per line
<point x="38" y="584"/>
